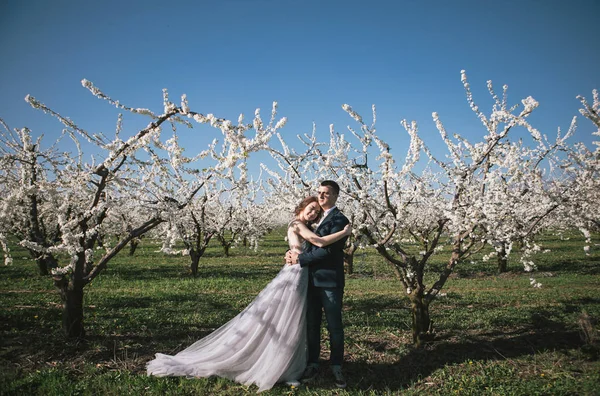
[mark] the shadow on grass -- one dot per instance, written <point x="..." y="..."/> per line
<point x="377" y="304"/>
<point x="589" y="265"/>
<point x="543" y="333"/>
<point x="418" y="364"/>
<point x="260" y="271"/>
<point x="22" y="271"/>
<point x="134" y="348"/>
<point x="139" y="273"/>
<point x="33" y="346"/>
<point x="202" y="302"/>
<point x="257" y="271"/>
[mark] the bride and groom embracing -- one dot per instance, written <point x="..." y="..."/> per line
<point x="277" y="337"/>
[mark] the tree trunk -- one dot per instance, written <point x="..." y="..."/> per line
<point x="422" y="326"/>
<point x="224" y="243"/>
<point x="226" y="247"/>
<point x="502" y="259"/>
<point x="45" y="264"/>
<point x="195" y="256"/>
<point x="349" y="261"/>
<point x="133" y="244"/>
<point x="194" y="266"/>
<point x="72" y="298"/>
<point x="42" y="266"/>
<point x="349" y="258"/>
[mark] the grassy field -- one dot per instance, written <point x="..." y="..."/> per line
<point x="496" y="335"/>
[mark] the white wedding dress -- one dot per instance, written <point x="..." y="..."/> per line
<point x="264" y="344"/>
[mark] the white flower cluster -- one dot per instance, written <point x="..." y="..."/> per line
<point x="534" y="283"/>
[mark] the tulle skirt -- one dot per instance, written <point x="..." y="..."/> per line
<point x="262" y="345"/>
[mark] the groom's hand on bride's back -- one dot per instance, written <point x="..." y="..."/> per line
<point x="291" y="258"/>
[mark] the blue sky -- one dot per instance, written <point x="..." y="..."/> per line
<point x="232" y="56"/>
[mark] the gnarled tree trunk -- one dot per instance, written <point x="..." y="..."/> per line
<point x="72" y="299"/>
<point x="422" y="326"/>
<point x="195" y="256"/>
<point x="349" y="258"/>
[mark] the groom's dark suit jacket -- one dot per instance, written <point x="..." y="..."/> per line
<point x="326" y="264"/>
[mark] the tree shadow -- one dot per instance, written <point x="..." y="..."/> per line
<point x="588" y="265"/>
<point x="542" y="334"/>
<point x="376" y="304"/>
<point x="138" y="339"/>
<point x="183" y="272"/>
<point x="263" y="271"/>
<point x="129" y="273"/>
<point x="576" y="305"/>
<point x="421" y="363"/>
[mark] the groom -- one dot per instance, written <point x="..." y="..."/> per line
<point x="325" y="286"/>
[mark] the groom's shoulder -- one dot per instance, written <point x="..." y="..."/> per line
<point x="340" y="215"/>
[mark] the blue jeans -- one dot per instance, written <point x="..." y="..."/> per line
<point x="329" y="300"/>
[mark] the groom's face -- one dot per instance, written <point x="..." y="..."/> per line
<point x="327" y="197"/>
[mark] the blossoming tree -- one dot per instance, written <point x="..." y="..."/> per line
<point x="427" y="205"/>
<point x="144" y="170"/>
<point x="27" y="206"/>
<point x="582" y="170"/>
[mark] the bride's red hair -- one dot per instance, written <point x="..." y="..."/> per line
<point x="304" y="203"/>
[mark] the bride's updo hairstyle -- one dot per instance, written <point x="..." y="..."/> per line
<point x="304" y="203"/>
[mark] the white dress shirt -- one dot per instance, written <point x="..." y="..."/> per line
<point x="325" y="215"/>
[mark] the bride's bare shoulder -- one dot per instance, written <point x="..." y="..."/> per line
<point x="294" y="224"/>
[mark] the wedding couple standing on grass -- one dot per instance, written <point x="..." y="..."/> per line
<point x="277" y="337"/>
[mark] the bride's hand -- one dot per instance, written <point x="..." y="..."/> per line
<point x="348" y="229"/>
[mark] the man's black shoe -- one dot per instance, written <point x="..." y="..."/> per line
<point x="310" y="373"/>
<point x="340" y="381"/>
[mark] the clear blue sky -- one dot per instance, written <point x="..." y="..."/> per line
<point x="232" y="56"/>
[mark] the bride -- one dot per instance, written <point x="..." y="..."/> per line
<point x="266" y="342"/>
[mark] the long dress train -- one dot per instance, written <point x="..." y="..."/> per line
<point x="262" y="345"/>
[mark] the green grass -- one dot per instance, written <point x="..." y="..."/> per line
<point x="496" y="335"/>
